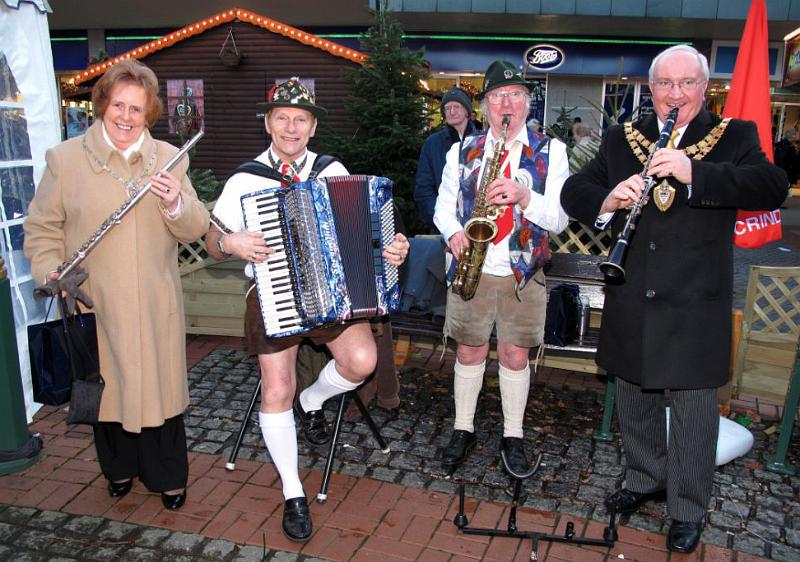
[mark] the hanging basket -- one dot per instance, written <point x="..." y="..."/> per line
<point x="230" y="59"/>
<point x="229" y="54"/>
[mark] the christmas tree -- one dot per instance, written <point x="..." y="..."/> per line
<point x="387" y="107"/>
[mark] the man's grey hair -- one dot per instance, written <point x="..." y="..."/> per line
<point x="689" y="50"/>
<point x="485" y="106"/>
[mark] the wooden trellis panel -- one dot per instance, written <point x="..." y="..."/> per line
<point x="580" y="239"/>
<point x="770" y="331"/>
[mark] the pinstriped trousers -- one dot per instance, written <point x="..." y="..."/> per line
<point x="685" y="466"/>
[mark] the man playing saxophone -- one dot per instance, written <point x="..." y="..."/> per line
<point x="510" y="294"/>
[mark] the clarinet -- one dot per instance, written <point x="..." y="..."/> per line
<point x="116" y="217"/>
<point x="612" y="268"/>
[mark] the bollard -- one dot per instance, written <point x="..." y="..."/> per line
<point x="18" y="448"/>
<point x="605" y="433"/>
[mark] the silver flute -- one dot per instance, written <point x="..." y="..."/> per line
<point x="116" y="217"/>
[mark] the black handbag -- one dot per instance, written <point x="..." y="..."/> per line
<point x="562" y="322"/>
<point x="65" y="364"/>
<point x="50" y="372"/>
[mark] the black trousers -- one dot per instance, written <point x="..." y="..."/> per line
<point x="157" y="455"/>
<point x="685" y="466"/>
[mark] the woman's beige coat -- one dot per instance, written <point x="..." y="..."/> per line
<point x="133" y="270"/>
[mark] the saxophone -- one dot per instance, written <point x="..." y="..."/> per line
<point x="480" y="228"/>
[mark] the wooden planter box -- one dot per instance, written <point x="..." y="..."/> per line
<point x="213" y="298"/>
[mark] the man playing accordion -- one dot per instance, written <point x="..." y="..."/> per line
<point x="291" y="120"/>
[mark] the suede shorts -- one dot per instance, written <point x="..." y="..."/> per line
<point x="257" y="342"/>
<point x="518" y="321"/>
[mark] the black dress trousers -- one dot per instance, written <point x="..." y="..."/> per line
<point x="157" y="455"/>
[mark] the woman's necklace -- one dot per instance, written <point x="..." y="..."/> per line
<point x="131" y="185"/>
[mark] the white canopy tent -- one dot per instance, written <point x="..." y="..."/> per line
<point x="30" y="123"/>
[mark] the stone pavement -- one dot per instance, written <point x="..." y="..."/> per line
<point x="392" y="507"/>
<point x="398" y="506"/>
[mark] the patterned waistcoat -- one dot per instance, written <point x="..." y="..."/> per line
<point x="528" y="243"/>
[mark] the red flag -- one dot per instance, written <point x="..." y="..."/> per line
<point x="748" y="99"/>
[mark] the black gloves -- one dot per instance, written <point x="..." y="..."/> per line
<point x="68" y="288"/>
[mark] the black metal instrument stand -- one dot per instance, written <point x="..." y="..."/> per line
<point x="461" y="521"/>
<point x="322" y="496"/>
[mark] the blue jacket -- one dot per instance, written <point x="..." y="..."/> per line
<point x="429" y="170"/>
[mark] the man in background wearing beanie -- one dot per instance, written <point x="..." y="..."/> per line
<point x="456" y="109"/>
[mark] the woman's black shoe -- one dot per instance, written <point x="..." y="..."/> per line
<point x="297" y="520"/>
<point x="173" y="501"/>
<point x="119" y="489"/>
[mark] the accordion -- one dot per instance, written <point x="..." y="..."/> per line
<point x="328" y="235"/>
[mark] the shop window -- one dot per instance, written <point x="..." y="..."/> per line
<point x="538" y="98"/>
<point x="624" y="101"/>
<point x="185" y="107"/>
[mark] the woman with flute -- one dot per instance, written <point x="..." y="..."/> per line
<point x="133" y="275"/>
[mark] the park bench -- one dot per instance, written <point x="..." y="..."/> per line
<point x="579" y="269"/>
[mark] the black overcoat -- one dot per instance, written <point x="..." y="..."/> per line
<point x="669" y="324"/>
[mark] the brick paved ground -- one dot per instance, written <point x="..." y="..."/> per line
<point x="398" y="506"/>
<point x="391" y="507"/>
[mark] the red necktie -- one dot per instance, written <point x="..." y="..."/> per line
<point x="505" y="221"/>
<point x="287" y="171"/>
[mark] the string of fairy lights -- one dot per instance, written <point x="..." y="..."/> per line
<point x="213" y="21"/>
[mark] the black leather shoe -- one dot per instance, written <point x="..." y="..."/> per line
<point x="313" y="426"/>
<point x="460" y="445"/>
<point x="297" y="520"/>
<point x="684" y="536"/>
<point x="515" y="454"/>
<point x="627" y="501"/>
<point x="173" y="501"/>
<point x="119" y="489"/>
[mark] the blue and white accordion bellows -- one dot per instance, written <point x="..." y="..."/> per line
<point x="328" y="235"/>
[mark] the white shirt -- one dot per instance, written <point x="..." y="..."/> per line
<point x="543" y="210"/>
<point x="228" y="208"/>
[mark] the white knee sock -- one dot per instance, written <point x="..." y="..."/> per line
<point x="281" y="439"/>
<point x="329" y="383"/>
<point x="514" y="386"/>
<point x="467" y="383"/>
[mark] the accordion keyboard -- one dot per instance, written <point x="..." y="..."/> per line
<point x="277" y="291"/>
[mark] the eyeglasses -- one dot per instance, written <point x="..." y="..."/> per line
<point x="685" y="84"/>
<point x="453" y="108"/>
<point x="496" y="97"/>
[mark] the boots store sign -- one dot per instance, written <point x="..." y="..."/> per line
<point x="544" y="58"/>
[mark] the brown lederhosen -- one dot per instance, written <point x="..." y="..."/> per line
<point x="257" y="342"/>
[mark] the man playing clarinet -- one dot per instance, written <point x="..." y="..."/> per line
<point x="667" y="327"/>
<point x="291" y="120"/>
